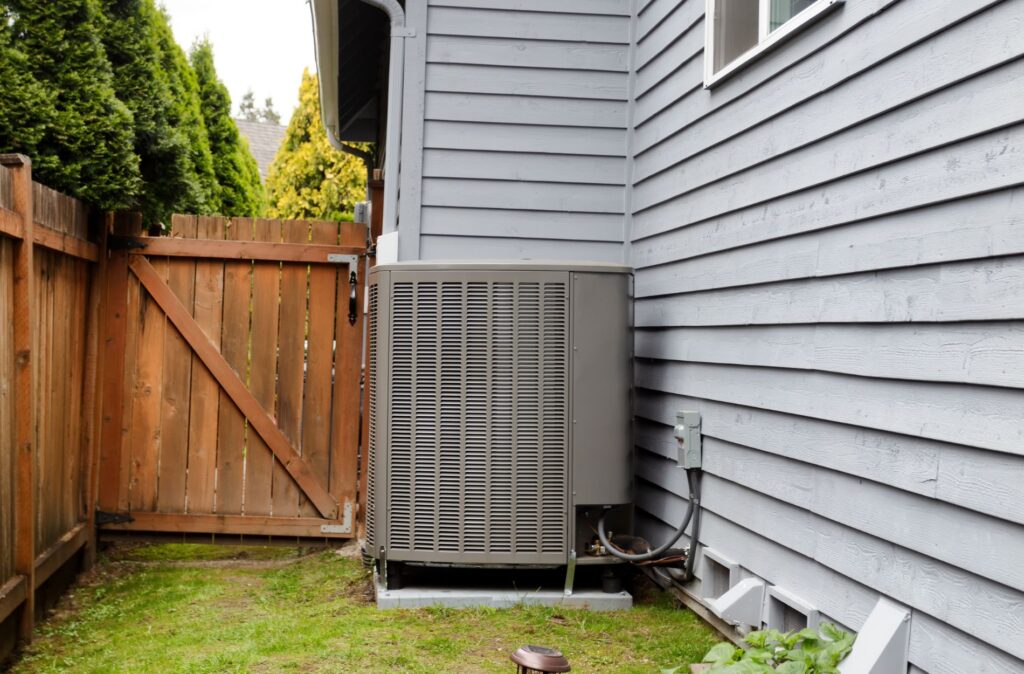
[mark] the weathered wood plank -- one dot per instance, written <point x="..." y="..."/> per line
<point x="936" y="411"/>
<point x="226" y="524"/>
<point x="204" y="397"/>
<point x="20" y="169"/>
<point x="235" y="335"/>
<point x="65" y="243"/>
<point x="93" y="391"/>
<point x="10" y="223"/>
<point x="291" y="341"/>
<point x="8" y="445"/>
<point x="205" y="248"/>
<point x="259" y="461"/>
<point x="177" y="380"/>
<point x="113" y="377"/>
<point x="320" y="367"/>
<point x="60" y="552"/>
<point x="229" y="381"/>
<point x="145" y="438"/>
<point x="348" y="357"/>
<point x="12" y="596"/>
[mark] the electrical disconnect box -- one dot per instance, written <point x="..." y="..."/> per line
<point x="688" y="437"/>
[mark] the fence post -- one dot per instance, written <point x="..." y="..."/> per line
<point x="24" y="411"/>
<point x="92" y="395"/>
<point x="115" y="307"/>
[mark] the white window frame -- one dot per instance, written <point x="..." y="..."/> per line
<point x="766" y="40"/>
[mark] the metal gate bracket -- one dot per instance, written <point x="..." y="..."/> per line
<point x="346" y="523"/>
<point x="352" y="261"/>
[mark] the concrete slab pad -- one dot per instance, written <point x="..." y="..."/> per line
<point x="420" y="597"/>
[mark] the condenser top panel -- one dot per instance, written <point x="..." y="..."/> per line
<point x="506" y="265"/>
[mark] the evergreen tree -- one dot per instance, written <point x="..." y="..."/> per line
<point x="241" y="192"/>
<point x="268" y="114"/>
<point x="185" y="114"/>
<point x="309" y="178"/>
<point x="247" y="110"/>
<point x="28" y="105"/>
<point x="170" y="180"/>
<point x="87" y="148"/>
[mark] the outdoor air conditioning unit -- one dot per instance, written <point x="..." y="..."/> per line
<point x="500" y="410"/>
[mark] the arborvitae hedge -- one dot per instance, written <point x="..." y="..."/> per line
<point x="238" y="175"/>
<point x="110" y="110"/>
<point x="309" y="178"/>
<point x="87" y="146"/>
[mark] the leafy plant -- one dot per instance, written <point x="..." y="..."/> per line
<point x="808" y="651"/>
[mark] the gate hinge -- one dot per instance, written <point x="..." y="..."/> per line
<point x="112" y="518"/>
<point x="115" y="242"/>
<point x="345" y="527"/>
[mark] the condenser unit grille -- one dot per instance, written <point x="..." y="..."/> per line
<point x="371" y="401"/>
<point x="478" y="446"/>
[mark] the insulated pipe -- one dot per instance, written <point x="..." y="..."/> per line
<point x="396" y="87"/>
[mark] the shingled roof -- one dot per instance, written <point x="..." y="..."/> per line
<point x="264" y="139"/>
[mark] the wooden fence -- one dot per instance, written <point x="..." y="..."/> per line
<point x="233" y="382"/>
<point x="49" y="314"/>
<point x="207" y="382"/>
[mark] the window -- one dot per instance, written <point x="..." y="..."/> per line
<point x="738" y="31"/>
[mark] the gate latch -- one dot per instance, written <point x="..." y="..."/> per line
<point x="352" y="261"/>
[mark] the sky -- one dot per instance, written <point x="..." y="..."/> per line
<point x="261" y="45"/>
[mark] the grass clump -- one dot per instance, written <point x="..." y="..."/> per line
<point x="150" y="610"/>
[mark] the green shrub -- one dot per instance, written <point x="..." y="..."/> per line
<point x="808" y="651"/>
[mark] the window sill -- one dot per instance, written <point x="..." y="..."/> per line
<point x="777" y="37"/>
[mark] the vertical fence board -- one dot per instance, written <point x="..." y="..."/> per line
<point x="259" y="464"/>
<point x="7" y="441"/>
<point x="92" y="408"/>
<point x="114" y="371"/>
<point x="316" y="405"/>
<point x="177" y="381"/>
<point x="146" y="401"/>
<point x="291" y="364"/>
<point x="345" y="417"/>
<point x="231" y="430"/>
<point x="205" y="397"/>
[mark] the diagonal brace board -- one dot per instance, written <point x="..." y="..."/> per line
<point x="235" y="388"/>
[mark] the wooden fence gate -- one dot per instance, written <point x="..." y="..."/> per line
<point x="231" y="385"/>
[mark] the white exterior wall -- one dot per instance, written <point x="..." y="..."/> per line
<point x="829" y="267"/>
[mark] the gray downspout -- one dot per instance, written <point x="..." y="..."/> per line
<point x="396" y="87"/>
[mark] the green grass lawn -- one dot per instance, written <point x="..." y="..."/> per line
<point x="197" y="608"/>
